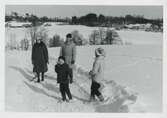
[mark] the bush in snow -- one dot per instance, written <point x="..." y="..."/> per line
<point x="56" y="41"/>
<point x="109" y="37"/>
<point x="12" y="43"/>
<point x="112" y="37"/>
<point x="38" y="32"/>
<point x="42" y="33"/>
<point x="103" y="36"/>
<point x="33" y="34"/>
<point x="78" y="38"/>
<point x="24" y="44"/>
<point x="94" y="38"/>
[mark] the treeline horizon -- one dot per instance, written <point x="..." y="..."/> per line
<point x="90" y="19"/>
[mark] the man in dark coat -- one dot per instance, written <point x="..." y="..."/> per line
<point x="40" y="59"/>
<point x="68" y="51"/>
<point x="64" y="77"/>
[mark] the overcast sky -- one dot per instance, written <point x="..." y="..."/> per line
<point x="69" y="10"/>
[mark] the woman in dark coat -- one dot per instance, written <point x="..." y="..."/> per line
<point x="40" y="59"/>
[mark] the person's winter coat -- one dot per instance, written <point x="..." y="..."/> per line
<point x="39" y="57"/>
<point x="68" y="51"/>
<point x="64" y="73"/>
<point x="97" y="71"/>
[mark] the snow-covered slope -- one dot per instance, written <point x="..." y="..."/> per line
<point x="128" y="36"/>
<point x="136" y="71"/>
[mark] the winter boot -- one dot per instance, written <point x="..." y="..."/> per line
<point x="92" y="99"/>
<point x="38" y="81"/>
<point x="42" y="77"/>
<point x="38" y="78"/>
<point x="101" y="98"/>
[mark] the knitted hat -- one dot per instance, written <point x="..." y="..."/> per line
<point x="100" y="52"/>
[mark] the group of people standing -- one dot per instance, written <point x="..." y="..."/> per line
<point x="64" y="67"/>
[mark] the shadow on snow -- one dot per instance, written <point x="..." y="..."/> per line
<point x="46" y="85"/>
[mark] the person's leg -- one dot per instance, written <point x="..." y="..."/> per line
<point x="97" y="92"/>
<point x="38" y="76"/>
<point x="71" y="71"/>
<point x="92" y="94"/>
<point x="42" y="76"/>
<point x="62" y="91"/>
<point x="67" y="89"/>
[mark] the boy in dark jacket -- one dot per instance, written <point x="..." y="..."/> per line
<point x="64" y="77"/>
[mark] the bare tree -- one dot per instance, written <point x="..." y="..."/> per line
<point x="56" y="41"/>
<point x="38" y="32"/>
<point x="43" y="34"/>
<point x="97" y="36"/>
<point x="102" y="35"/>
<point x="33" y="34"/>
<point x="77" y="37"/>
<point x="12" y="44"/>
<point x="92" y="38"/>
<point x="24" y="44"/>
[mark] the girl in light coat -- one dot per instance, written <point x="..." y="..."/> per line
<point x="97" y="75"/>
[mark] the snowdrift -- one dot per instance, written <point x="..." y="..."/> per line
<point x="120" y="97"/>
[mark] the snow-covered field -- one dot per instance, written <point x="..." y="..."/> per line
<point x="137" y="67"/>
<point x="136" y="70"/>
<point x="127" y="36"/>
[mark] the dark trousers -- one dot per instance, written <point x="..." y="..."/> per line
<point x="95" y="89"/>
<point x="71" y="71"/>
<point x="64" y="89"/>
<point x="42" y="76"/>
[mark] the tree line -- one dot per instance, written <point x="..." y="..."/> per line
<point x="90" y="19"/>
<point x="33" y="18"/>
<point x="93" y="19"/>
<point x="99" y="36"/>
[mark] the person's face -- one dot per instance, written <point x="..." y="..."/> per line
<point x="61" y="61"/>
<point x="38" y="41"/>
<point x="68" y="39"/>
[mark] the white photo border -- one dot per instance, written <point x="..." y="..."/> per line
<point x="80" y="2"/>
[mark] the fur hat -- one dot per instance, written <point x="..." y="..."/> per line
<point x="100" y="52"/>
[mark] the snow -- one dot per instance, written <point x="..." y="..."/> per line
<point x="133" y="74"/>
<point x="128" y="36"/>
<point x="141" y="37"/>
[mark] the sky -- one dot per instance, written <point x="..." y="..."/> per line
<point x="76" y="10"/>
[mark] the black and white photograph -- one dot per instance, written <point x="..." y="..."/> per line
<point x="84" y="58"/>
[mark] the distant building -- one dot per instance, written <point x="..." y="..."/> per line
<point x="15" y="24"/>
